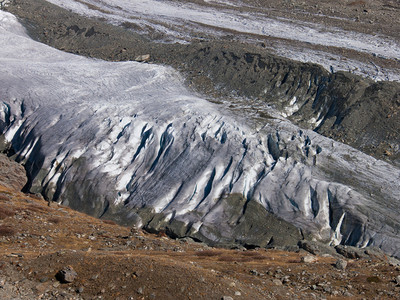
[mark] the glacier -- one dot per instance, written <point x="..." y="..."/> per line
<point x="179" y="22"/>
<point x="128" y="140"/>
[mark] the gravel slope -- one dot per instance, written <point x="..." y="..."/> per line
<point x="114" y="262"/>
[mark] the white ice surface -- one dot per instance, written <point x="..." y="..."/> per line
<point x="141" y="138"/>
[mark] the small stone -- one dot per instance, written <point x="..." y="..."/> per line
<point x="309" y="259"/>
<point x="254" y="272"/>
<point x="79" y="290"/>
<point x="66" y="275"/>
<point x="237" y="293"/>
<point x="397" y="280"/>
<point x="341" y="264"/>
<point x="285" y="279"/>
<point x="42" y="288"/>
<point x="334" y="293"/>
<point x="142" y="58"/>
<point x="277" y="282"/>
<point x="140" y="291"/>
<point x="232" y="284"/>
<point x="226" y="298"/>
<point x="16" y="255"/>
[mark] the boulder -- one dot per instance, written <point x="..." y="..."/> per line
<point x="350" y="252"/>
<point x="316" y="248"/>
<point x="309" y="259"/>
<point x="66" y="275"/>
<point x="341" y="264"/>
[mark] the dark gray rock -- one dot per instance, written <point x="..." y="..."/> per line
<point x="375" y="252"/>
<point x="43" y="279"/>
<point x="254" y="272"/>
<point x="341" y="264"/>
<point x="317" y="248"/>
<point x="66" y="275"/>
<point x="350" y="252"/>
<point x="249" y="224"/>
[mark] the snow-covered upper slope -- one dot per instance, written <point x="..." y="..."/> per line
<point x="179" y="20"/>
<point x="128" y="137"/>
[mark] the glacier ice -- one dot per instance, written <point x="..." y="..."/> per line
<point x="177" y="22"/>
<point x="127" y="138"/>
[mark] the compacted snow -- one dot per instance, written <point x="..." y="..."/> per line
<point x="130" y="136"/>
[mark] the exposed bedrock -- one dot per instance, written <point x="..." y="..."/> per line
<point x="12" y="175"/>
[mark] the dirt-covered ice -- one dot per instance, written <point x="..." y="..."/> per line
<point x="177" y="21"/>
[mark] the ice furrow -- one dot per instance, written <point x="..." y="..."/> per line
<point x="166" y="141"/>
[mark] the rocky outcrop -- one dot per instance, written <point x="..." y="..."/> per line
<point x="232" y="221"/>
<point x="12" y="174"/>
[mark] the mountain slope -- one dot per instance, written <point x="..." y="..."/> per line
<point x="111" y="261"/>
<point x="129" y="141"/>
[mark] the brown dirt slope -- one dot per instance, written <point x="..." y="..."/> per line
<point x="114" y="262"/>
